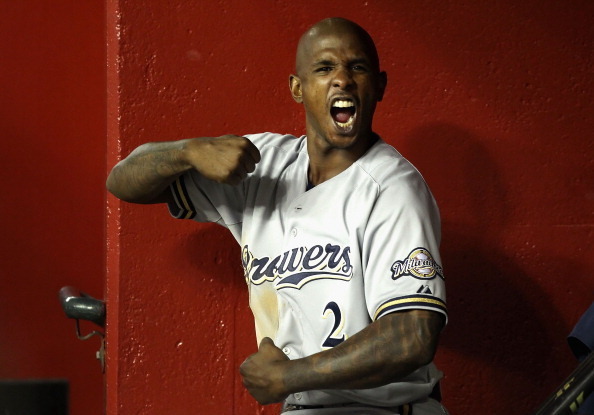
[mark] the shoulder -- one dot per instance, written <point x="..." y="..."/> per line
<point x="276" y="142"/>
<point x="277" y="151"/>
<point x="389" y="169"/>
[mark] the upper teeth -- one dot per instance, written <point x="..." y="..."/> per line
<point x="343" y="104"/>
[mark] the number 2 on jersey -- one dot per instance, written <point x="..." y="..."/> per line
<point x="334" y="338"/>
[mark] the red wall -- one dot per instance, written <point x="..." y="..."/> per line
<point x="492" y="102"/>
<point x="52" y="118"/>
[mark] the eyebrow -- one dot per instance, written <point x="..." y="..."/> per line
<point x="324" y="62"/>
<point x="328" y="62"/>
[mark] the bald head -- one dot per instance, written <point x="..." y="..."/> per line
<point x="334" y="26"/>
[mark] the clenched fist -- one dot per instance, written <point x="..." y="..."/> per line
<point x="227" y="159"/>
<point x="263" y="373"/>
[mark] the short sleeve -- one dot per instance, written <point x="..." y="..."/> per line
<point x="204" y="200"/>
<point x="401" y="249"/>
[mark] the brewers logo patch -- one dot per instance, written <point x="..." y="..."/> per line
<point x="419" y="264"/>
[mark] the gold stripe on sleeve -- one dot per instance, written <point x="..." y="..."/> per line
<point x="403" y="301"/>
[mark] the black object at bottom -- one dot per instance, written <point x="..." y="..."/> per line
<point x="34" y="397"/>
<point x="567" y="399"/>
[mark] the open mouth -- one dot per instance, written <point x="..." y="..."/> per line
<point x="343" y="113"/>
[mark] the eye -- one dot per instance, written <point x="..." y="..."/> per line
<point x="324" y="69"/>
<point x="360" y="68"/>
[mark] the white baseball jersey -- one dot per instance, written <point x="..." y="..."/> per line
<point x="322" y="264"/>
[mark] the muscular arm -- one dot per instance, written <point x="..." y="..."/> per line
<point x="143" y="176"/>
<point x="386" y="351"/>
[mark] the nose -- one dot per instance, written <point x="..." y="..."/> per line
<point x="343" y="78"/>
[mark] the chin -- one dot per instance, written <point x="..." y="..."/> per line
<point x="342" y="140"/>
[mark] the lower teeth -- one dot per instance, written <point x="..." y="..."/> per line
<point x="346" y="124"/>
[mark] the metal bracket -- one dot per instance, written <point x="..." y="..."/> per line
<point x="80" y="306"/>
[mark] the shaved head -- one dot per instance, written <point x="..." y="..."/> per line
<point x="333" y="26"/>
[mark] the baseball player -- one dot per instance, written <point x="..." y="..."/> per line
<point x="339" y="237"/>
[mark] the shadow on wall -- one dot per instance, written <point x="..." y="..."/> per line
<point x="502" y="324"/>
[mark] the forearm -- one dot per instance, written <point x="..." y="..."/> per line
<point x="147" y="171"/>
<point x="143" y="176"/>
<point x="384" y="352"/>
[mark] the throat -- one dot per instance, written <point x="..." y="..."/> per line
<point x="318" y="174"/>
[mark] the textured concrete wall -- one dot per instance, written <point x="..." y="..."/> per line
<point x="491" y="101"/>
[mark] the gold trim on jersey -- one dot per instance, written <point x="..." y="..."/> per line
<point x="182" y="199"/>
<point x="420" y="301"/>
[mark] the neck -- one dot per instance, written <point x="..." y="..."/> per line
<point x="327" y="162"/>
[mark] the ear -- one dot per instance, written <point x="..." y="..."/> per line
<point x="295" y="87"/>
<point x="382" y="82"/>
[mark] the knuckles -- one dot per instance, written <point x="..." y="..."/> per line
<point x="226" y="159"/>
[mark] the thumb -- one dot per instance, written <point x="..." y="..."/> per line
<point x="266" y="341"/>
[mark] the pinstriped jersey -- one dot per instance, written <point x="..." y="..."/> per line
<point x="324" y="263"/>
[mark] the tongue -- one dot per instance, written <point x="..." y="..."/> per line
<point x="342" y="115"/>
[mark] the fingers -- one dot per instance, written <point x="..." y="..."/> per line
<point x="240" y="171"/>
<point x="263" y="372"/>
<point x="253" y="151"/>
<point x="249" y="157"/>
<point x="243" y="157"/>
<point x="227" y="159"/>
<point x="233" y="179"/>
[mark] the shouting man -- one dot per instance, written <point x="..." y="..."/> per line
<point x="339" y="237"/>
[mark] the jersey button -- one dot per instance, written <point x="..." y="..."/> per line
<point x="294" y="232"/>
<point x="298" y="396"/>
<point x="286" y="351"/>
